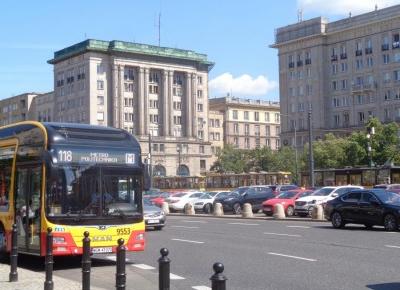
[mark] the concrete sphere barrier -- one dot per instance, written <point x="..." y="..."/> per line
<point x="318" y="212"/>
<point x="165" y="207"/>
<point x="247" y="211"/>
<point x="189" y="209"/>
<point x="279" y="211"/>
<point x="218" y="209"/>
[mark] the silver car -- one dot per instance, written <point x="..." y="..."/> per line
<point x="154" y="217"/>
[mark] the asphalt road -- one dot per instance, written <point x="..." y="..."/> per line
<point x="258" y="255"/>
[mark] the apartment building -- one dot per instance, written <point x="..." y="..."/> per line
<point x="216" y="133"/>
<point x="141" y="88"/>
<point x="16" y="108"/>
<point x="42" y="107"/>
<point x="247" y="123"/>
<point x="343" y="71"/>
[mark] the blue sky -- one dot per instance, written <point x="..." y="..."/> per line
<point x="234" y="34"/>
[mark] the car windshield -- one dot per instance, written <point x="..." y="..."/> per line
<point x="240" y="190"/>
<point x="205" y="196"/>
<point x="287" y="194"/>
<point x="83" y="191"/>
<point x="323" y="191"/>
<point x="388" y="197"/>
<point x="381" y="186"/>
<point x="233" y="194"/>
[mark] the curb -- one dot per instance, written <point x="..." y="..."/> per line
<point x="250" y="218"/>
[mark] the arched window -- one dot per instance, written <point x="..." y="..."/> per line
<point x="159" y="170"/>
<point x="183" y="170"/>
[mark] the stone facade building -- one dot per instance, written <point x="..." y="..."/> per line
<point x="16" y="109"/>
<point x="141" y="88"/>
<point x="344" y="71"/>
<point x="249" y="124"/>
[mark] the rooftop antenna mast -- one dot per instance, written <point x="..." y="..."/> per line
<point x="300" y="15"/>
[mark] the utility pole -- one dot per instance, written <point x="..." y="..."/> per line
<point x="310" y="149"/>
<point x="150" y="163"/>
<point x="295" y="152"/>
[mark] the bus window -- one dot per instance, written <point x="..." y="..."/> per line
<point x="6" y="161"/>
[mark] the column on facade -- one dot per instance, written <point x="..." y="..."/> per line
<point x="121" y="97"/>
<point x="194" y="104"/>
<point x="171" y="102"/>
<point x="188" y="105"/>
<point x="165" y="103"/>
<point x="140" y="101"/>
<point x="146" y="101"/>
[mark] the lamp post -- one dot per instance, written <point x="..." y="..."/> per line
<point x="294" y="145"/>
<point x="179" y="149"/>
<point x="310" y="149"/>
<point x="370" y="133"/>
<point x="150" y="163"/>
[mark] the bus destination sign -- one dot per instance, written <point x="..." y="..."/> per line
<point x="104" y="156"/>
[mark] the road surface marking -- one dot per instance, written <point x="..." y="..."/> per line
<point x="187" y="241"/>
<point x="286" y="235"/>
<point x="143" y="266"/>
<point x="300" y="227"/>
<point x="185" y="227"/>
<point x="200" y="222"/>
<point x="293" y="257"/>
<point x="390" y="246"/>
<point x="201" y="288"/>
<point x="114" y="258"/>
<point x="245" y="224"/>
<point x="175" y="277"/>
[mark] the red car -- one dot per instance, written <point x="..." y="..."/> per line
<point x="287" y="199"/>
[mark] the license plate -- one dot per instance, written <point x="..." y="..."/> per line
<point x="102" y="250"/>
<point x="153" y="221"/>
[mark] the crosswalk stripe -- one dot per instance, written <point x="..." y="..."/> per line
<point x="143" y="266"/>
<point x="201" y="288"/>
<point x="175" y="277"/>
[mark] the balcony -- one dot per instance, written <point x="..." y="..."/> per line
<point x="334" y="57"/>
<point x="343" y="55"/>
<point x="308" y="61"/>
<point x="291" y="64"/>
<point x="357" y="87"/>
<point x="368" y="50"/>
<point x="299" y="63"/>
<point x="358" y="52"/>
<point x="385" y="46"/>
<point x="396" y="45"/>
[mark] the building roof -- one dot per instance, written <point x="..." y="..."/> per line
<point x="243" y="102"/>
<point x="128" y="47"/>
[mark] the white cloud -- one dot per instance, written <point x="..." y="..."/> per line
<point x="342" y="7"/>
<point x="243" y="85"/>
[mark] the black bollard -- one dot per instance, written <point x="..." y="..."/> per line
<point x="218" y="280"/>
<point x="120" y="276"/>
<point x="14" y="254"/>
<point x="86" y="262"/>
<point x="48" y="284"/>
<point x="163" y="270"/>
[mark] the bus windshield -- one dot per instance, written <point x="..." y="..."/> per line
<point x="84" y="191"/>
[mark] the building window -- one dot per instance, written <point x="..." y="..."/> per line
<point x="277" y="118"/>
<point x="236" y="128"/>
<point x="267" y="130"/>
<point x="370" y="62"/>
<point x="277" y="144"/>
<point x="257" y="130"/>
<point x="153" y="104"/>
<point x="217" y="123"/>
<point x="199" y="93"/>
<point x="129" y="74"/>
<point x="268" y="143"/>
<point x="100" y="116"/>
<point x="361" y="117"/>
<point x="336" y="120"/>
<point x="100" y="69"/>
<point x="153" y="89"/>
<point x="235" y="114"/>
<point x="128" y="87"/>
<point x="100" y="100"/>
<point x="153" y="119"/>
<point x="247" y="143"/>
<point x="200" y="134"/>
<point x="177" y="120"/>
<point x="266" y="115"/>
<point x="246" y="115"/>
<point x="246" y="129"/>
<point x="155" y="147"/>
<point x="343" y="66"/>
<point x="217" y="136"/>
<point x="153" y="77"/>
<point x="177" y="79"/>
<point x="201" y="149"/>
<point x="199" y="107"/>
<point x="199" y="80"/>
<point x="344" y="84"/>
<point x="359" y="64"/>
<point x="202" y="164"/>
<point x="396" y="75"/>
<point x="100" y="85"/>
<point x="256" y="116"/>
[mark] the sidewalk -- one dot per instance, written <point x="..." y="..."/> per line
<point x="31" y="280"/>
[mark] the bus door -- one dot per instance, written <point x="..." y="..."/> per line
<point x="27" y="207"/>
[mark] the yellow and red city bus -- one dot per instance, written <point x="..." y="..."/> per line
<point x="72" y="178"/>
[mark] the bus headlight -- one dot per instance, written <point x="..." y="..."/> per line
<point x="139" y="237"/>
<point x="58" y="240"/>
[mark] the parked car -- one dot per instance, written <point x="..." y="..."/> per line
<point x="287" y="199"/>
<point x="154" y="217"/>
<point x="178" y="201"/>
<point x="204" y="203"/>
<point x="255" y="195"/>
<point x="367" y="207"/>
<point x="158" y="199"/>
<point x="277" y="189"/>
<point x="304" y="205"/>
<point x="390" y="187"/>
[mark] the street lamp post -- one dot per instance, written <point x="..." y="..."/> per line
<point x="178" y="149"/>
<point x="310" y="149"/>
<point x="294" y="145"/>
<point x="370" y="133"/>
<point x="150" y="163"/>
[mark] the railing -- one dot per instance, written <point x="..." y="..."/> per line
<point x="368" y="50"/>
<point x="358" y="52"/>
<point x="385" y="46"/>
<point x="343" y="55"/>
<point x="334" y="57"/>
<point x="308" y="61"/>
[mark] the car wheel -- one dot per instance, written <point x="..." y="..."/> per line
<point x="207" y="208"/>
<point x="337" y="220"/>
<point x="369" y="226"/>
<point x="237" y="209"/>
<point x="290" y="211"/>
<point x="390" y="223"/>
